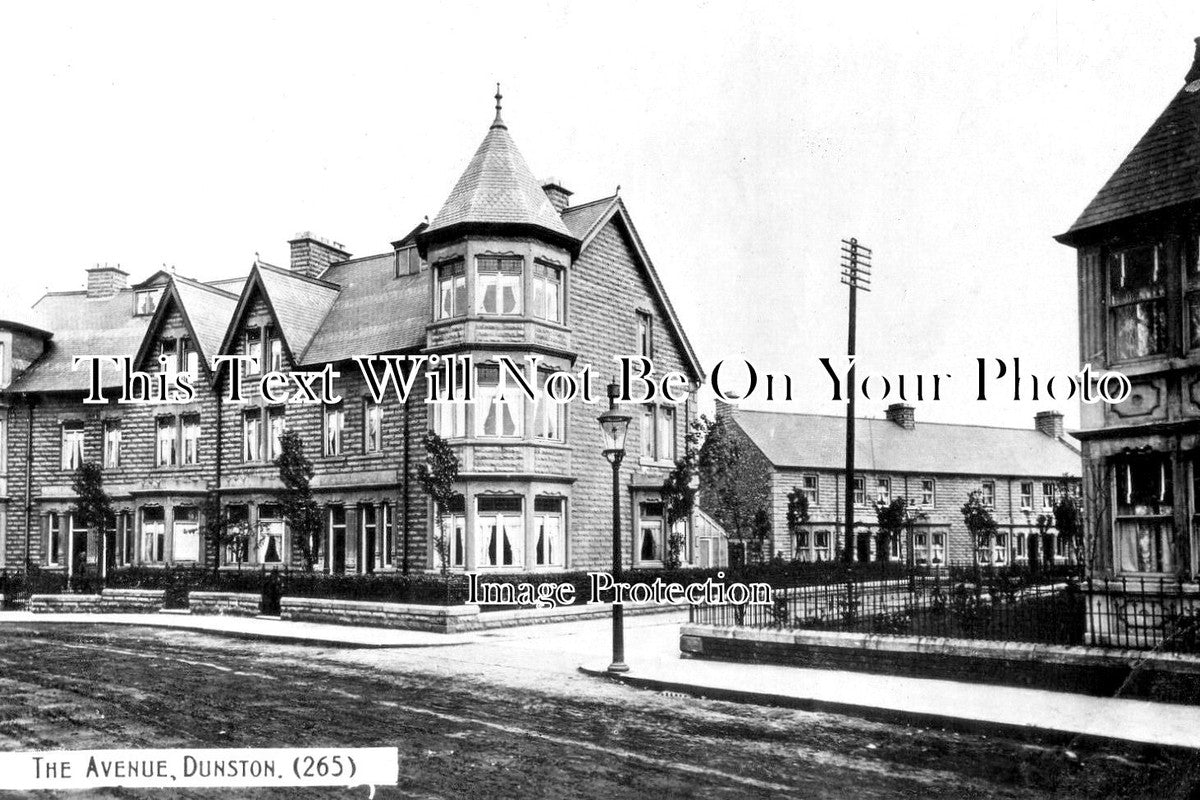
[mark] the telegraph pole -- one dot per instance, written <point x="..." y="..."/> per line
<point x="856" y="273"/>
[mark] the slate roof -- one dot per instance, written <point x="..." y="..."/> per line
<point x="374" y="312"/>
<point x="818" y="441"/>
<point x="300" y="304"/>
<point x="82" y="325"/>
<point x="209" y="310"/>
<point x="498" y="187"/>
<point x="582" y="220"/>
<point x="1162" y="170"/>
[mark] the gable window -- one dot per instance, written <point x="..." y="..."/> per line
<point x="252" y="435"/>
<point x="372" y="426"/>
<point x="810" y="487"/>
<point x="549" y="416"/>
<point x="112" y="443"/>
<point x="191" y="439"/>
<point x="645" y="333"/>
<point x="452" y="290"/>
<point x="454" y="527"/>
<point x="987" y="490"/>
<point x="276" y="425"/>
<point x="274" y="352"/>
<point x="860" y="491"/>
<point x="154" y="533"/>
<point x="499" y="284"/>
<point x="146" y="301"/>
<point x="500" y="531"/>
<point x="927" y="491"/>
<point x="883" y="490"/>
<point x="1137" y="302"/>
<point x="189" y="359"/>
<point x="335" y="423"/>
<point x="254" y="351"/>
<point x="168" y="361"/>
<point x="548" y="530"/>
<point x="1145" y="524"/>
<point x="547" y="292"/>
<point x="1027" y="496"/>
<point x="498" y="411"/>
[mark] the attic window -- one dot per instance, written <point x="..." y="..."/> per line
<point x="408" y="261"/>
<point x="146" y="301"/>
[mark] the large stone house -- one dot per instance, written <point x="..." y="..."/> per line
<point x="507" y="268"/>
<point x="1138" y="257"/>
<point x="935" y="466"/>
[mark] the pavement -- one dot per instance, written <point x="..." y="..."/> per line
<point x="652" y="653"/>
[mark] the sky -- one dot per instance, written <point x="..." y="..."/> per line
<point x="748" y="140"/>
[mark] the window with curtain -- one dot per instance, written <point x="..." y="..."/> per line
<point x="1137" y="280"/>
<point x="550" y="545"/>
<point x="270" y="534"/>
<point x="498" y="288"/>
<point x="452" y="290"/>
<point x="191" y="439"/>
<point x="549" y="416"/>
<point x="112" y="443"/>
<point x="154" y="534"/>
<point x="372" y="426"/>
<point x="449" y="409"/>
<point x="498" y="406"/>
<point x="252" y="435"/>
<point x="500" y="531"/>
<point x="454" y="528"/>
<point x="651" y="527"/>
<point x="168" y="441"/>
<point x="335" y="422"/>
<point x="72" y="444"/>
<point x="547" y="292"/>
<point x="1145" y="525"/>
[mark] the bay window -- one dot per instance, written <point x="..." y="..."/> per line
<point x="498" y="286"/>
<point x="368" y="532"/>
<point x="388" y="527"/>
<point x="185" y="541"/>
<point x="547" y="292"/>
<point x="237" y="535"/>
<point x="1144" y="515"/>
<point x="53" y="539"/>
<point x="803" y="553"/>
<point x="549" y="547"/>
<point x="452" y="290"/>
<point x="500" y="531"/>
<point x="270" y="534"/>
<point x="549" y="416"/>
<point x="498" y="409"/>
<point x="1137" y="302"/>
<point x="154" y="533"/>
<point x="454" y="528"/>
<point x="651" y="528"/>
<point x="821" y="550"/>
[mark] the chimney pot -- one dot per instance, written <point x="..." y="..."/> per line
<point x="903" y="415"/>
<point x="560" y="196"/>
<point x="1194" y="73"/>
<point x="311" y="255"/>
<point x="1049" y="423"/>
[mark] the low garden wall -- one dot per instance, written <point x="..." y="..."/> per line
<point x="234" y="604"/>
<point x="109" y="601"/>
<point x="1169" y="677"/>
<point x="438" y="619"/>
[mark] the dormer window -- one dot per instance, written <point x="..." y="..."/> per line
<point x="547" y="292"/>
<point x="146" y="301"/>
<point x="408" y="261"/>
<point x="499" y="285"/>
<point x="1137" y="302"/>
<point x="452" y="290"/>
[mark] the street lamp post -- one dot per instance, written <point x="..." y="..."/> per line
<point x="613" y="427"/>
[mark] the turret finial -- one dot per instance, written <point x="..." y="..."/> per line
<point x="498" y="122"/>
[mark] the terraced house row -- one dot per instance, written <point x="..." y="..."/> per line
<point x="508" y="267"/>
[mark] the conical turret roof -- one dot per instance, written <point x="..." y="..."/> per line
<point x="498" y="188"/>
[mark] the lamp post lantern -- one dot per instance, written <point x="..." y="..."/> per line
<point x="613" y="427"/>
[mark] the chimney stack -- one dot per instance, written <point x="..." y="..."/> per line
<point x="903" y="415"/>
<point x="1049" y="423"/>
<point x="560" y="196"/>
<point x="105" y="281"/>
<point x="312" y="254"/>
<point x="1194" y="72"/>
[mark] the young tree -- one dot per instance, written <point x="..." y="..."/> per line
<point x="735" y="483"/>
<point x="296" y="501"/>
<point x="797" y="513"/>
<point x="437" y="474"/>
<point x="678" y="494"/>
<point x="92" y="505"/>
<point x="979" y="520"/>
<point x="1068" y="519"/>
<point x="221" y="530"/>
<point x="891" y="519"/>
